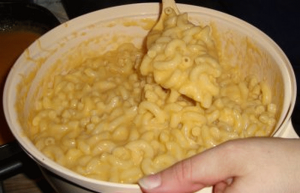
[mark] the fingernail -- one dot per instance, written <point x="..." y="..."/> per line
<point x="150" y="182"/>
<point x="229" y="181"/>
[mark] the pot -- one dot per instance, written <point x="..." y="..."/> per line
<point x="21" y="23"/>
<point x="86" y="33"/>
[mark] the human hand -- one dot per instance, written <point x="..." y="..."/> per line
<point x="260" y="165"/>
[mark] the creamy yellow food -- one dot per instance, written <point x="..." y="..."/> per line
<point x="130" y="113"/>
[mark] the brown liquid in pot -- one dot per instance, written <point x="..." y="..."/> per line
<point x="12" y="44"/>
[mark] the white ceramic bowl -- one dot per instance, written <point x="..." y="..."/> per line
<point x="97" y="32"/>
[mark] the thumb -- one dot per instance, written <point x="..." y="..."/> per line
<point x="211" y="167"/>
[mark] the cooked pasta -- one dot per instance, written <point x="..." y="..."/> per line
<point x="127" y="113"/>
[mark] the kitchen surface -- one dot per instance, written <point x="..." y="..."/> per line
<point x="23" y="184"/>
<point x="19" y="173"/>
<point x="279" y="19"/>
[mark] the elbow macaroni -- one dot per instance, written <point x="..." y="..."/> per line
<point x="117" y="118"/>
<point x="184" y="59"/>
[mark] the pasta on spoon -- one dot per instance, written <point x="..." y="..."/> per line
<point x="183" y="58"/>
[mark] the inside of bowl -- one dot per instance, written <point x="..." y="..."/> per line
<point x="239" y="45"/>
<point x="45" y="59"/>
<point x="256" y="55"/>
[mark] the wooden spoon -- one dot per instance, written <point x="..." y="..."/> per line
<point x="168" y="7"/>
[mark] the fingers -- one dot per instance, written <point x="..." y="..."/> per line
<point x="178" y="178"/>
<point x="220" y="187"/>
<point x="235" y="166"/>
<point x="211" y="167"/>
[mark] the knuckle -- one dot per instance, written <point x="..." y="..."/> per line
<point x="184" y="171"/>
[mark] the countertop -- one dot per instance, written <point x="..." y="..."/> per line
<point x="24" y="184"/>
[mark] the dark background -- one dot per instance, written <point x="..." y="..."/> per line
<point x="279" y="19"/>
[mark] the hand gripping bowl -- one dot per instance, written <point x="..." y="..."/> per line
<point x="105" y="29"/>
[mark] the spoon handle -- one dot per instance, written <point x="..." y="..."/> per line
<point x="171" y="4"/>
<point x="158" y="27"/>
